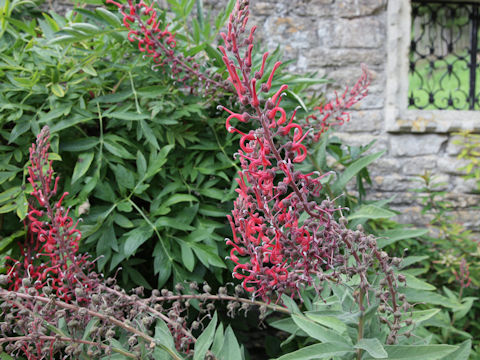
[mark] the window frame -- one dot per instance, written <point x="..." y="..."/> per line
<point x="397" y="115"/>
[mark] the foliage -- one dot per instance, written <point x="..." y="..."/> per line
<point x="453" y="255"/>
<point x="103" y="319"/>
<point x="470" y="151"/>
<point x="147" y="164"/>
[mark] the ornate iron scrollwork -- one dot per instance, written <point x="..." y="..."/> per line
<point x="443" y="56"/>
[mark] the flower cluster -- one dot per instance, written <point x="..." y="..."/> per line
<point x="283" y="250"/>
<point x="156" y="41"/>
<point x="283" y="238"/>
<point x="49" y="255"/>
<point x="334" y="112"/>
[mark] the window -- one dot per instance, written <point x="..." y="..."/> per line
<point x="443" y="68"/>
<point x="433" y="72"/>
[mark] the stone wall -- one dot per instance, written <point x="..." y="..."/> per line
<point x="333" y="37"/>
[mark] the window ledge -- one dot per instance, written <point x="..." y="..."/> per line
<point x="427" y="121"/>
<point x="397" y="115"/>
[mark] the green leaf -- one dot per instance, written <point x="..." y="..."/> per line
<point x="22" y="206"/>
<point x="207" y="255"/>
<point x="108" y="16"/>
<point x="149" y="134"/>
<point x="136" y="276"/>
<point x="329" y="321"/>
<point x="125" y="115"/>
<point x="124" y="176"/>
<point x="392" y="236"/>
<point x="318" y="351"/>
<point x="205" y="339"/>
<point x="162" y="264"/>
<point x="427" y="297"/>
<point x="289" y="326"/>
<point x="10" y="194"/>
<point x="352" y="170"/>
<point x="93" y="322"/>
<point x="159" y="160"/>
<point x="177" y="198"/>
<point x="298" y="98"/>
<point x="218" y="340"/>
<point x="418" y="352"/>
<point x="163" y="337"/>
<point x="230" y="349"/>
<point x="168" y="222"/>
<point x="462" y="353"/>
<point x="117" y="150"/>
<point x="20" y="128"/>
<point x="89" y="70"/>
<point x="79" y="145"/>
<point x="373" y="347"/>
<point x="414" y="283"/>
<point x="58" y="90"/>
<point x="5" y="356"/>
<point x="9" y="239"/>
<point x="123" y="221"/>
<point x="141" y="164"/>
<point x="81" y="167"/>
<point x="317" y="331"/>
<point x="7" y="208"/>
<point x="371" y="212"/>
<point x="213" y="211"/>
<point x="188" y="258"/>
<point x="135" y="238"/>
<point x="6" y="175"/>
<point x="420" y="316"/>
<point x="409" y="260"/>
<point x="290" y="304"/>
<point x="213" y="193"/>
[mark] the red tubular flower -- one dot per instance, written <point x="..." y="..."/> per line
<point x="154" y="40"/>
<point x="50" y="252"/>
<point x="273" y="248"/>
<point x="334" y="112"/>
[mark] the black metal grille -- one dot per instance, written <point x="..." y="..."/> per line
<point x="444" y="70"/>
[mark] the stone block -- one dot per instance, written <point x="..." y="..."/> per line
<point x="368" y="32"/>
<point x="470" y="218"/>
<point x="384" y="165"/>
<point x="312" y="8"/>
<point x="415" y="145"/>
<point x="465" y="186"/>
<point x="327" y="57"/>
<point x="451" y="165"/>
<point x="365" y="120"/>
<point x="390" y="182"/>
<point x="454" y="149"/>
<point x="359" y="139"/>
<point x="267" y="8"/>
<point x="411" y="215"/>
<point x="419" y="165"/>
<point x="399" y="199"/>
<point x="460" y="200"/>
<point x="356" y="8"/>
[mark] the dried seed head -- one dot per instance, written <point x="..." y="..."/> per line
<point x="4" y="279"/>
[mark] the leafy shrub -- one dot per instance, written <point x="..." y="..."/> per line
<point x="143" y="161"/>
<point x="355" y="297"/>
<point x="147" y="164"/>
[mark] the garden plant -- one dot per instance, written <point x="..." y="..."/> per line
<point x="153" y="130"/>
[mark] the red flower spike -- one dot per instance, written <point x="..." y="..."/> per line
<point x="155" y="41"/>
<point x="272" y="249"/>
<point x="50" y="251"/>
